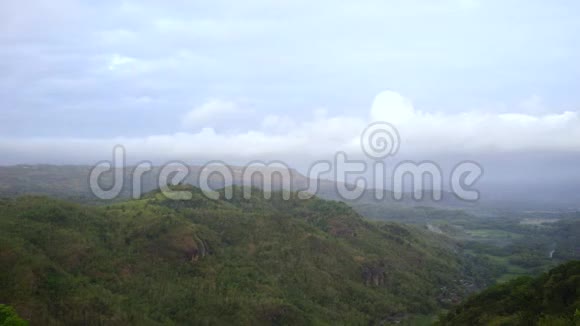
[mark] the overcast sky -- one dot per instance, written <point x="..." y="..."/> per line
<point x="241" y="80"/>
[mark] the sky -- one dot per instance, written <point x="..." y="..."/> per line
<point x="290" y="80"/>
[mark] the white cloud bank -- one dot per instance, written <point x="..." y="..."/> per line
<point x="477" y="131"/>
<point x="290" y="139"/>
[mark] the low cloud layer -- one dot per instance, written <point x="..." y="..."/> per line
<point x="274" y="137"/>
<point x="475" y="132"/>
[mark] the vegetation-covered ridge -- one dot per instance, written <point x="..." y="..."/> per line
<point x="551" y="299"/>
<point x="202" y="261"/>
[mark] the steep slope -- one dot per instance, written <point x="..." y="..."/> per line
<point x="551" y="299"/>
<point x="253" y="261"/>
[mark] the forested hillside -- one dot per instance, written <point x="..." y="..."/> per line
<point x="550" y="300"/>
<point x="256" y="261"/>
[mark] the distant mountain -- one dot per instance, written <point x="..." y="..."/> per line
<point x="71" y="182"/>
<point x="549" y="300"/>
<point x="202" y="261"/>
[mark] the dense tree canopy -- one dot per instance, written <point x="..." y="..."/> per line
<point x="253" y="261"/>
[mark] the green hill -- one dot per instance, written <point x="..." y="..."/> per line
<point x="551" y="299"/>
<point x="200" y="261"/>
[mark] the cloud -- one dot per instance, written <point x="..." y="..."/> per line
<point x="211" y="111"/>
<point x="118" y="61"/>
<point x="477" y="131"/>
<point x="423" y="134"/>
<point x="109" y="72"/>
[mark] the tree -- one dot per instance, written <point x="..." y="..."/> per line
<point x="8" y="317"/>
